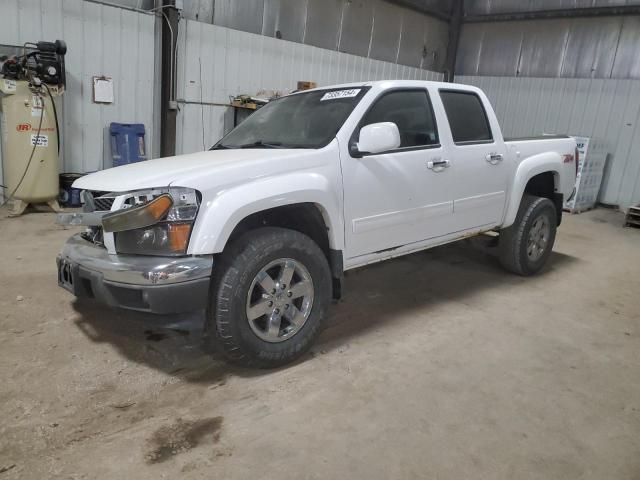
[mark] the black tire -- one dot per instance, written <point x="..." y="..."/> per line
<point x="240" y="263"/>
<point x="513" y="242"/>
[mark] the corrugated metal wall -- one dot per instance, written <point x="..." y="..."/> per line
<point x="139" y="4"/>
<point x="586" y="71"/>
<point x="602" y="47"/>
<point x="486" y="7"/>
<point x="604" y="108"/>
<point x="216" y="63"/>
<point x="101" y="40"/>
<point x="370" y="28"/>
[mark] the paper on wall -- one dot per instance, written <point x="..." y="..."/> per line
<point x="102" y="90"/>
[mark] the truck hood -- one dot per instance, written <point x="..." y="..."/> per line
<point x="189" y="170"/>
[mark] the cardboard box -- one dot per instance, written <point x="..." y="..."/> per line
<point x="306" y="85"/>
<point x="247" y="105"/>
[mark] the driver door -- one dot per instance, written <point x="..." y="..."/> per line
<point x="402" y="196"/>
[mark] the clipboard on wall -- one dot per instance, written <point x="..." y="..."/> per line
<point x="103" y="90"/>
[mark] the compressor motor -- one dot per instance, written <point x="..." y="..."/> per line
<point x="44" y="61"/>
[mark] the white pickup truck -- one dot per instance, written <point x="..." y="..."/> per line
<point x="260" y="229"/>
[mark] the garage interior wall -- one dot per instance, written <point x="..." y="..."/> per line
<point x="101" y="40"/>
<point x="327" y="41"/>
<point x="563" y="75"/>
<point x="215" y="63"/>
<point x="597" y="47"/>
<point x="605" y="108"/>
<point x="375" y="29"/>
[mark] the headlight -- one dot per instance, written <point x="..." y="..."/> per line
<point x="161" y="239"/>
<point x="137" y="217"/>
<point x="161" y="226"/>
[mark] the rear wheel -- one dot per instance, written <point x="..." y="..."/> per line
<point x="269" y="298"/>
<point x="526" y="245"/>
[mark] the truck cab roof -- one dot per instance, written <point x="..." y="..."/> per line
<point x="388" y="84"/>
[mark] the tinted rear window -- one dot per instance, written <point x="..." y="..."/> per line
<point x="466" y="116"/>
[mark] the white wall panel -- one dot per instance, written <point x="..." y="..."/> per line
<point x="379" y="29"/>
<point x="599" y="47"/>
<point x="101" y="40"/>
<point x="603" y="108"/>
<point x="216" y="63"/>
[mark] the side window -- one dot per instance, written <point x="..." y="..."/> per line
<point x="467" y="118"/>
<point x="411" y="111"/>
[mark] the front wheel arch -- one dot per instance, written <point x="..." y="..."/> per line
<point x="310" y="219"/>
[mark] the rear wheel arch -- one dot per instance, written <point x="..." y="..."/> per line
<point x="543" y="184"/>
<point x="538" y="176"/>
<point x="546" y="185"/>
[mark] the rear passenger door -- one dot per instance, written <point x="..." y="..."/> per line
<point x="478" y="158"/>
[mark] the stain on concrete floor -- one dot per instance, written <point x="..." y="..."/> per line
<point x="181" y="436"/>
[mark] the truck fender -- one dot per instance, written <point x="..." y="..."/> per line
<point x="526" y="170"/>
<point x="219" y="216"/>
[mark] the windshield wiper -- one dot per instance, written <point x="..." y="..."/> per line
<point x="259" y="144"/>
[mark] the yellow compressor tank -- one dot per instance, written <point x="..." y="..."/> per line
<point x="28" y="126"/>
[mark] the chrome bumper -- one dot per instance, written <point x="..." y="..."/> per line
<point x="136" y="269"/>
<point x="137" y="282"/>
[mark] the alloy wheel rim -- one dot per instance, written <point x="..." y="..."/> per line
<point x="279" y="300"/>
<point x="538" y="238"/>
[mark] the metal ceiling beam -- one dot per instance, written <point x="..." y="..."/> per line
<point x="559" y="13"/>
<point x="421" y="7"/>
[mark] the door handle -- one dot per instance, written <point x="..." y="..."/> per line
<point x="494" y="158"/>
<point x="437" y="165"/>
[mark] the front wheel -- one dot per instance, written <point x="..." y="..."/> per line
<point x="526" y="245"/>
<point x="269" y="297"/>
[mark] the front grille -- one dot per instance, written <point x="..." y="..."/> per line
<point x="96" y="201"/>
<point x="103" y="203"/>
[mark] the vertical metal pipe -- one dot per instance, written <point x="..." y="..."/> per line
<point x="168" y="110"/>
<point x="455" y="23"/>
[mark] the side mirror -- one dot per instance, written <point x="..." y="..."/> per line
<point x="377" y="138"/>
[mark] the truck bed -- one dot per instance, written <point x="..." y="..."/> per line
<point x="535" y="137"/>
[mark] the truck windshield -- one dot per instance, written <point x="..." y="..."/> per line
<point x="303" y="120"/>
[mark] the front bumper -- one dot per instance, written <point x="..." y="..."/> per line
<point x="136" y="282"/>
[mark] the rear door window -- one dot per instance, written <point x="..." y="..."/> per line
<point x="411" y="111"/>
<point x="467" y="117"/>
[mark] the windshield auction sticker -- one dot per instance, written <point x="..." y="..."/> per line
<point x="352" y="92"/>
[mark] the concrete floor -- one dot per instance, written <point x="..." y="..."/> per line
<point x="435" y="365"/>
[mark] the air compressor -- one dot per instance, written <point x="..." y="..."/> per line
<point x="29" y="84"/>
